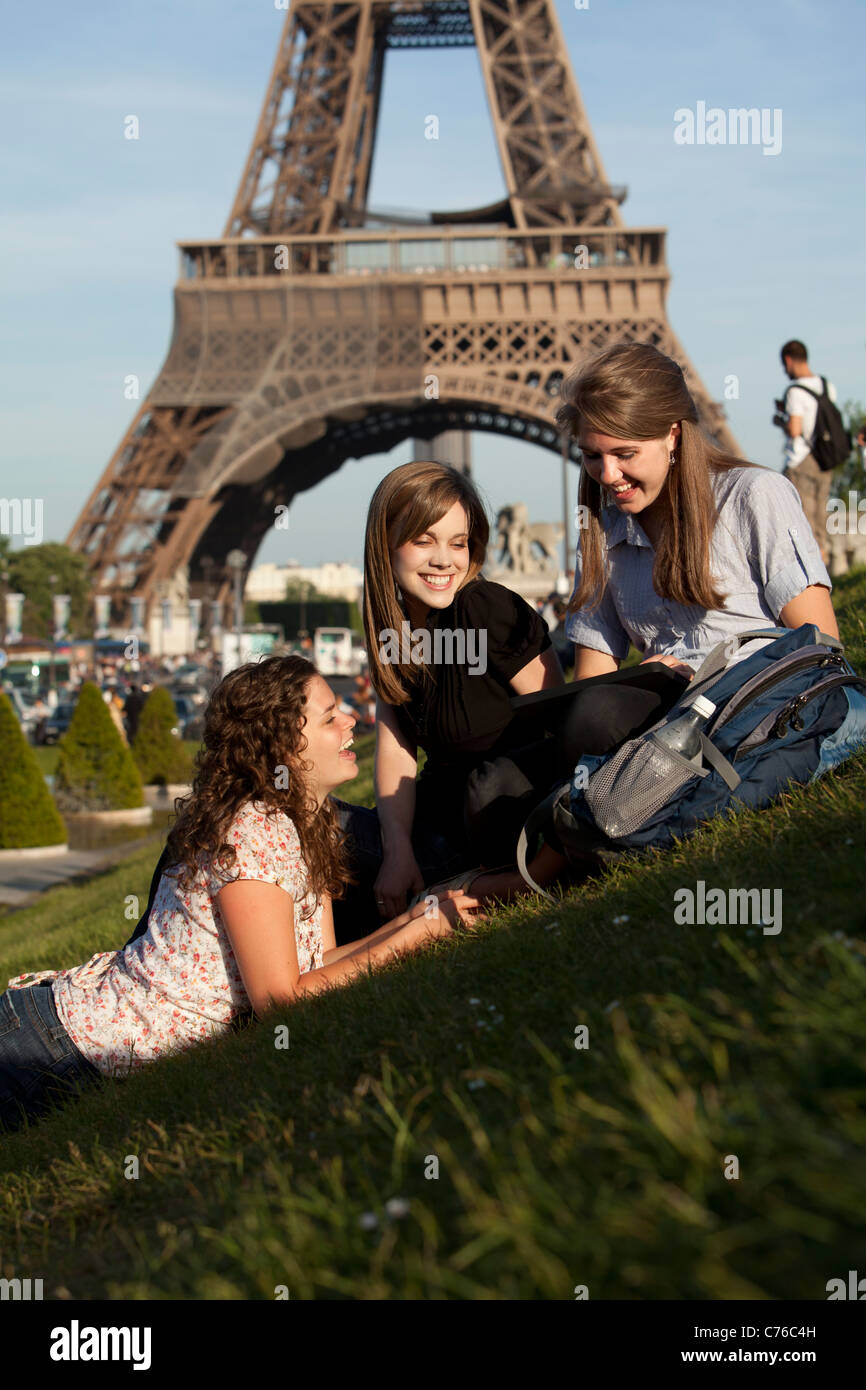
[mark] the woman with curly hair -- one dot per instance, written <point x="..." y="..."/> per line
<point x="242" y="917"/>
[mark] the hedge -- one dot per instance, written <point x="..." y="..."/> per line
<point x="28" y="815"/>
<point x="158" y="751"/>
<point x="95" y="770"/>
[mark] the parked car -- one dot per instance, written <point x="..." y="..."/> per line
<point x="55" y="726"/>
<point x="193" y="693"/>
<point x="27" y="715"/>
<point x="190" y="716"/>
<point x="190" y="676"/>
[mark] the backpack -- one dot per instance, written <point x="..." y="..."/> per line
<point x="784" y="714"/>
<point x="832" y="443"/>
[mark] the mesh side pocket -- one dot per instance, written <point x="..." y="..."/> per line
<point x="636" y="783"/>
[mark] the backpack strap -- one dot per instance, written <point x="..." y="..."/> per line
<point x="720" y="764"/>
<point x="529" y="835"/>
<point x="809" y="392"/>
<point x="718" y="658"/>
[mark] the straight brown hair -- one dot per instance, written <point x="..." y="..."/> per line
<point x="408" y="501"/>
<point x="633" y="391"/>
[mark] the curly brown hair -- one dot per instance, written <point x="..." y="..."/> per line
<point x="253" y="727"/>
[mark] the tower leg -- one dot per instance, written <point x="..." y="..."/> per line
<point x="452" y="446"/>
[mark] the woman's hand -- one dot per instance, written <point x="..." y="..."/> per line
<point x="450" y="903"/>
<point x="681" y="667"/>
<point x="439" y="918"/>
<point x="398" y="880"/>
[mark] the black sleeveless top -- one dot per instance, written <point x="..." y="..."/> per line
<point x="463" y="715"/>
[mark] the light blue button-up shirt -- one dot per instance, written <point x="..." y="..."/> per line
<point x="762" y="555"/>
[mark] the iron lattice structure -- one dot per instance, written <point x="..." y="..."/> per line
<point x="315" y="331"/>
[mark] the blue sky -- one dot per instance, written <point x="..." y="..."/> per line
<point x="762" y="248"/>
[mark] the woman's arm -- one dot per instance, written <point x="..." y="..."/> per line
<point x="260" y="923"/>
<point x="589" y="662"/>
<point x="396" y="765"/>
<point x="539" y="674"/>
<point x="813" y="605"/>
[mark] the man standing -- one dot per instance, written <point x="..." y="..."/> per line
<point x="132" y="711"/>
<point x="812" y="484"/>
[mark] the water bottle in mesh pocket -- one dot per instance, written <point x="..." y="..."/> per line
<point x="636" y="782"/>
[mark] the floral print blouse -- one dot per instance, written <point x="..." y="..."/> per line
<point x="180" y="982"/>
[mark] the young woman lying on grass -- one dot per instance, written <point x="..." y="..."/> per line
<point x="242" y="920"/>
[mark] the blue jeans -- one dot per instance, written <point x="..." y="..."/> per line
<point x="39" y="1063"/>
<point x="439" y="856"/>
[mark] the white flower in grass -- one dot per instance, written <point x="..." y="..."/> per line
<point x="368" y="1221"/>
<point x="476" y="1083"/>
<point x="618" y="921"/>
<point x="396" y="1208"/>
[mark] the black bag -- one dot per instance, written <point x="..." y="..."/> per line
<point x="558" y="725"/>
<point x="832" y="443"/>
<point x="141" y="925"/>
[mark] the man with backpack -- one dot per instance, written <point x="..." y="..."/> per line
<point x="817" y="441"/>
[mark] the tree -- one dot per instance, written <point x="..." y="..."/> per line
<point x="30" y="570"/>
<point x="95" y="771"/>
<point x="28" y="815"/>
<point x="303" y="589"/>
<point x="157" y="749"/>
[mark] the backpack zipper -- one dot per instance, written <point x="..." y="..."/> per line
<point x="751" y="692"/>
<point x="789" y="715"/>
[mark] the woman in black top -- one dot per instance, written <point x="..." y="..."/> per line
<point x="447" y="650"/>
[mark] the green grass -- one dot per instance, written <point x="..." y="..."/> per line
<point x="558" y="1167"/>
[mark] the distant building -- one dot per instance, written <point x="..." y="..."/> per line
<point x="268" y="582"/>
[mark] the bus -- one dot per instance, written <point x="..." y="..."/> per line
<point x="335" y="652"/>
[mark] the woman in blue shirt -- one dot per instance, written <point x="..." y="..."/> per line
<point x="682" y="545"/>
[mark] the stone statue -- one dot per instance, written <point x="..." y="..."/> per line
<point x="526" y="547"/>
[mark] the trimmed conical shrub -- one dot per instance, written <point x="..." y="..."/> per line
<point x="95" y="771"/>
<point x="28" y="815"/>
<point x="158" y="751"/>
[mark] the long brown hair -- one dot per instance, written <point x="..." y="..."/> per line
<point x="408" y="501"/>
<point x="253" y="727"/>
<point x="633" y="391"/>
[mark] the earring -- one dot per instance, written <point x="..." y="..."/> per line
<point x="673" y="458"/>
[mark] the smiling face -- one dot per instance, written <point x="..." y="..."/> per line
<point x="430" y="568"/>
<point x="328" y="732"/>
<point x="633" y="471"/>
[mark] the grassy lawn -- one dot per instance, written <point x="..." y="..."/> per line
<point x="524" y="1165"/>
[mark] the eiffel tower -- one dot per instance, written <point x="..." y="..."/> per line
<point x="316" y="330"/>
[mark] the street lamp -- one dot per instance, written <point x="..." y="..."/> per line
<point x="52" y="583"/>
<point x="236" y="561"/>
<point x="4" y="587"/>
<point x="303" y="628"/>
